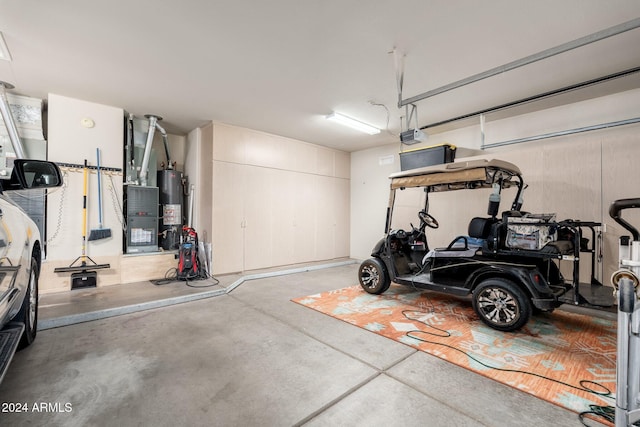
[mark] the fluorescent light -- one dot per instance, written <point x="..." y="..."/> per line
<point x="353" y="123"/>
<point x="4" y="50"/>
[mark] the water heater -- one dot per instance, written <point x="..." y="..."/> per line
<point x="171" y="194"/>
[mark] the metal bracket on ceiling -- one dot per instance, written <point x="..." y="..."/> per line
<point x="411" y="114"/>
<point x="408" y="134"/>
<point x="398" y="62"/>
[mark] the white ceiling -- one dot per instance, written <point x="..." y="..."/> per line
<point x="280" y="66"/>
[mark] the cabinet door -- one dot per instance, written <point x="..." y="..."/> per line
<point x="305" y="211"/>
<point x="332" y="226"/>
<point x="325" y="224"/>
<point x="342" y="213"/>
<point x="228" y="217"/>
<point x="258" y="211"/>
<point x="283" y="220"/>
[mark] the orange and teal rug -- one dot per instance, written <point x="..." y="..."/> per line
<point x="564" y="358"/>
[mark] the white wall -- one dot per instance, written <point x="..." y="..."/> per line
<point x="575" y="176"/>
<point x="70" y="142"/>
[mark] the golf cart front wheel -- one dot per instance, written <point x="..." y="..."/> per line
<point x="501" y="304"/>
<point x="373" y="276"/>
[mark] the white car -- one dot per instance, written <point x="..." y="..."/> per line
<point x="21" y="249"/>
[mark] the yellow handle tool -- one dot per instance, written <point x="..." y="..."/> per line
<point x="84" y="212"/>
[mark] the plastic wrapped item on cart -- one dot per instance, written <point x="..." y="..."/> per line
<point x="531" y="232"/>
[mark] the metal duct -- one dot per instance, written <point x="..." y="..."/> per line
<point x="9" y="122"/>
<point x="192" y="190"/>
<point x="165" y="140"/>
<point x="144" y="168"/>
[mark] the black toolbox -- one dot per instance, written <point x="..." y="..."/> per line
<point x="427" y="156"/>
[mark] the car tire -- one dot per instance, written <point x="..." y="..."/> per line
<point x="373" y="276"/>
<point x="28" y="314"/>
<point x="501" y="304"/>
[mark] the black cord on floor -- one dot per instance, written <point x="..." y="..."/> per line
<point x="608" y="413"/>
<point x="203" y="277"/>
<point x="172" y="276"/>
<point x="443" y="333"/>
<point x="605" y="412"/>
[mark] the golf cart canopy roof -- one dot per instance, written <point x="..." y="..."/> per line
<point x="459" y="175"/>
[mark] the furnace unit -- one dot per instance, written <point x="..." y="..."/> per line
<point x="141" y="206"/>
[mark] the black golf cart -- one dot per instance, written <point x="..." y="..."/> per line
<point x="508" y="263"/>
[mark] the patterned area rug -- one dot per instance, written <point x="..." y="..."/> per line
<point x="564" y="358"/>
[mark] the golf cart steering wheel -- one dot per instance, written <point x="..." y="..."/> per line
<point x="428" y="220"/>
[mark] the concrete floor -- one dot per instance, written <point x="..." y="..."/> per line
<point x="248" y="358"/>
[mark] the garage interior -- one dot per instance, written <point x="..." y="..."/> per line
<point x="213" y="116"/>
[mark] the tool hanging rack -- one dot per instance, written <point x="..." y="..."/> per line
<point x="108" y="171"/>
<point x="80" y="167"/>
<point x="83" y="267"/>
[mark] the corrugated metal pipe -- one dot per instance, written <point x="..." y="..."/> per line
<point x="144" y="168"/>
<point x="9" y="122"/>
<point x="165" y="141"/>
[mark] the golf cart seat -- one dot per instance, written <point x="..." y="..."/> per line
<point x="480" y="228"/>
<point x="494" y="230"/>
<point x="465" y="246"/>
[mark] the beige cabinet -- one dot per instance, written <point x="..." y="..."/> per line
<point x="276" y="201"/>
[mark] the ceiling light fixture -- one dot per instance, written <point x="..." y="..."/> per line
<point x="4" y="50"/>
<point x="353" y="123"/>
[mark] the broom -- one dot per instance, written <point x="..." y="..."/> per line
<point x="99" y="233"/>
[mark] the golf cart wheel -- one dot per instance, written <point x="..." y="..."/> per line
<point x="501" y="304"/>
<point x="373" y="276"/>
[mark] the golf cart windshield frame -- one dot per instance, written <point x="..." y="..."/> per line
<point x="474" y="174"/>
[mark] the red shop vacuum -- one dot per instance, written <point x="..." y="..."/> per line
<point x="188" y="264"/>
